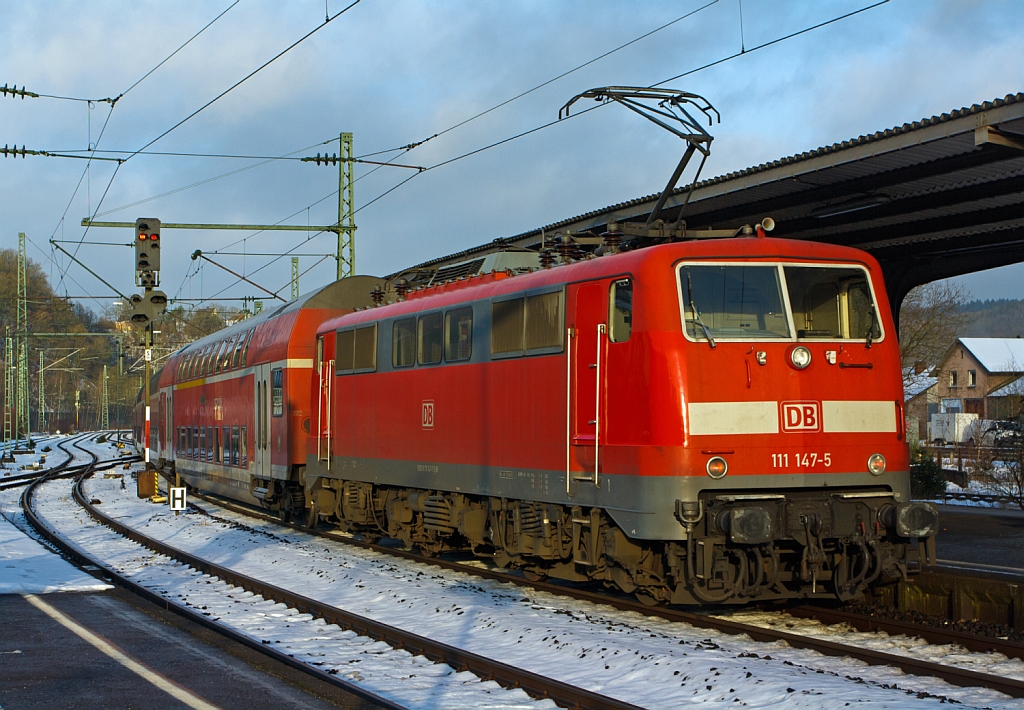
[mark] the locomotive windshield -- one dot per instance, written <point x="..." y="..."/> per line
<point x="831" y="302"/>
<point x="746" y="302"/>
<point x="733" y="301"/>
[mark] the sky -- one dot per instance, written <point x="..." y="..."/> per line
<point x="398" y="72"/>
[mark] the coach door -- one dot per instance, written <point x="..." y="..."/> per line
<point x="587" y="340"/>
<point x="261" y="420"/>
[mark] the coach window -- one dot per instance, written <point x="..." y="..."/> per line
<point x="458" y="334"/>
<point x="507" y="327"/>
<point x="234" y="446"/>
<point x="244" y="449"/>
<point x="225" y="452"/>
<point x="403" y="343"/>
<point x="429" y="337"/>
<point x="218" y="447"/>
<point x="202" y="443"/>
<point x="344" y="351"/>
<point x="238" y="350"/>
<point x="182" y="443"/>
<point x="365" y="357"/>
<point x="245" y="350"/>
<point x="620" y="319"/>
<point x="210" y="450"/>
<point x="217" y="352"/>
<point x="544" y="321"/>
<point x="226" y="355"/>
<point x="277" y="392"/>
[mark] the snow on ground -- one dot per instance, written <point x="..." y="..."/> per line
<point x="646" y="661"/>
<point x="26" y="565"/>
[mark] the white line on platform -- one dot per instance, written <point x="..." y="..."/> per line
<point x="140" y="670"/>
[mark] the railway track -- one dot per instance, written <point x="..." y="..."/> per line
<point x="65" y="469"/>
<point x="535" y="685"/>
<point x="862" y="622"/>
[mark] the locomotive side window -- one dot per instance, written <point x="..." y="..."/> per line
<point x="277" y="391"/>
<point x="365" y="358"/>
<point x="620" y="318"/>
<point x="544" y="321"/>
<point x="458" y="338"/>
<point x="429" y="336"/>
<point x="507" y="327"/>
<point x="732" y="301"/>
<point x="831" y="302"/>
<point x="344" y="350"/>
<point x="403" y="343"/>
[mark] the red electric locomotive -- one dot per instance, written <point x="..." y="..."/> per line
<point x="712" y="421"/>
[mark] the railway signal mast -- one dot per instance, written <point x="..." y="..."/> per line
<point x="146" y="307"/>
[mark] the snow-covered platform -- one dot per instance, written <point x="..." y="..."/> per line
<point x="27" y="567"/>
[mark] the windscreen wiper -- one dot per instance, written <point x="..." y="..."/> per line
<point x="696" y="313"/>
<point x="871" y="328"/>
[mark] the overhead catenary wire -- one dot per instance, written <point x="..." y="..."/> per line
<point x="85" y="172"/>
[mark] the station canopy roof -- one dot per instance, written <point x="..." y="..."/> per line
<point x="932" y="199"/>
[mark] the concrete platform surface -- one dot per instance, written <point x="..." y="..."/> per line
<point x="982" y="536"/>
<point x="109" y="650"/>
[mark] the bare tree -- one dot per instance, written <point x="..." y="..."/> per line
<point x="931" y="318"/>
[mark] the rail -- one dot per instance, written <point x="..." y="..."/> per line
<point x="508" y="676"/>
<point x="950" y="674"/>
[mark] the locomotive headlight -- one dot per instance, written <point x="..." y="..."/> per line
<point x="876" y="464"/>
<point x="800" y="357"/>
<point x="717" y="467"/>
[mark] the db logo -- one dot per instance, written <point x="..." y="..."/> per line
<point x="427" y="417"/>
<point x="801" y="416"/>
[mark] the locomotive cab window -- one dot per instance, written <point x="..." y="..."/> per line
<point x="620" y="316"/>
<point x="277" y="392"/>
<point x="458" y="334"/>
<point x="429" y="337"/>
<point x="344" y="350"/>
<point x="831" y="302"/>
<point x="736" y="301"/>
<point x="403" y="342"/>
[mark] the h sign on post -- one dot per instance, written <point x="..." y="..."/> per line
<point x="177" y="499"/>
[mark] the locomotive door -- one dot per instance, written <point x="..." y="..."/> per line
<point x="586" y="379"/>
<point x="261" y="420"/>
<point x="325" y="380"/>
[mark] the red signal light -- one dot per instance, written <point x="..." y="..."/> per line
<point x="154" y="237"/>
